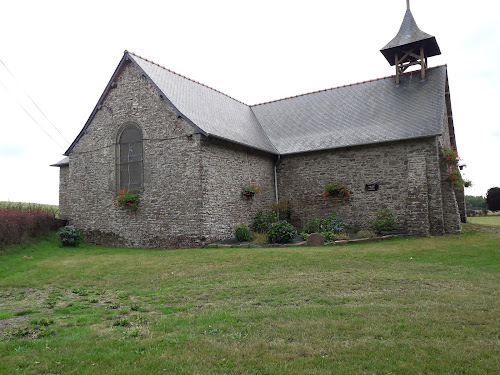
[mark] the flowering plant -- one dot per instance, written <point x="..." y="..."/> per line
<point x="127" y="199"/>
<point x="281" y="232"/>
<point x="249" y="190"/>
<point x="450" y="155"/>
<point x="70" y="236"/>
<point x="455" y="178"/>
<point x="335" y="189"/>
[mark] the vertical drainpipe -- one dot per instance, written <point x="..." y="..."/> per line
<point x="276" y="178"/>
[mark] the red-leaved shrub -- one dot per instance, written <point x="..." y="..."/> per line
<point x="18" y="224"/>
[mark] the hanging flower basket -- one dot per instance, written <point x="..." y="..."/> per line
<point x="249" y="190"/>
<point x="337" y="190"/>
<point x="127" y="199"/>
<point x="450" y="156"/>
<point x="455" y="178"/>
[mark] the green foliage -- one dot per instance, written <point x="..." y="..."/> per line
<point x="127" y="199"/>
<point x="475" y="202"/>
<point x="259" y="238"/>
<point x="365" y="234"/>
<point x="455" y="178"/>
<point x="450" y="156"/>
<point x="248" y="191"/>
<point x="333" y="223"/>
<point x="313" y="226"/>
<point x="262" y="220"/>
<point x="242" y="233"/>
<point x="281" y="232"/>
<point x="283" y="209"/>
<point x="336" y="189"/>
<point x="493" y="199"/>
<point x="384" y="222"/>
<point x="70" y="236"/>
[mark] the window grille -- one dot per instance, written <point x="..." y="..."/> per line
<point x="131" y="159"/>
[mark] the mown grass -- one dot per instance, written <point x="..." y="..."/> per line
<point x="485" y="220"/>
<point x="405" y="306"/>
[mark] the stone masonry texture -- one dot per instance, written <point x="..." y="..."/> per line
<point x="192" y="183"/>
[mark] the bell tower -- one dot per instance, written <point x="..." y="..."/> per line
<point x="411" y="46"/>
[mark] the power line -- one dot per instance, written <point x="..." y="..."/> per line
<point x="36" y="122"/>
<point x="25" y="93"/>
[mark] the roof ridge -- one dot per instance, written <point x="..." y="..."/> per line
<point x="189" y="79"/>
<point x="342" y="86"/>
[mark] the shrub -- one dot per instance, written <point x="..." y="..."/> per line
<point x="333" y="223"/>
<point x="329" y="236"/>
<point x="281" y="232"/>
<point x="283" y="209"/>
<point x="262" y="220"/>
<point x="70" y="236"/>
<point x="242" y="233"/>
<point x="493" y="199"/>
<point x="313" y="226"/>
<point x="365" y="234"/>
<point x="341" y="237"/>
<point x="19" y="223"/>
<point x="384" y="222"/>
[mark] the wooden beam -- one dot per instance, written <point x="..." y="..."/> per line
<point x="422" y="62"/>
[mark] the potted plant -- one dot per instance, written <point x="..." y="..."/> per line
<point x="450" y="156"/>
<point x="127" y="199"/>
<point x="248" y="191"/>
<point x="336" y="189"/>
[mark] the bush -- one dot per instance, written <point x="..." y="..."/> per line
<point x="384" y="222"/>
<point x="332" y="223"/>
<point x="242" y="233"/>
<point x="262" y="220"/>
<point x="313" y="226"/>
<point x="341" y="236"/>
<point x="70" y="236"/>
<point x="493" y="199"/>
<point x="281" y="232"/>
<point x="283" y="209"/>
<point x="365" y="234"/>
<point x="19" y="223"/>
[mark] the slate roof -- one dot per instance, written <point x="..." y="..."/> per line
<point x="212" y="112"/>
<point x="364" y="113"/>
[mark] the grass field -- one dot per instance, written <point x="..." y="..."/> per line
<point x="404" y="306"/>
<point x="485" y="220"/>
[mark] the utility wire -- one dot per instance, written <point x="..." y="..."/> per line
<point x="36" y="122"/>
<point x="25" y="93"/>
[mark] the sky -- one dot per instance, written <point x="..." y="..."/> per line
<point x="58" y="56"/>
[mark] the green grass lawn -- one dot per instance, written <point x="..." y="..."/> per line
<point x="404" y="306"/>
<point x="485" y="220"/>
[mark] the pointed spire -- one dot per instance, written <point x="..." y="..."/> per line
<point x="411" y="46"/>
<point x="408" y="37"/>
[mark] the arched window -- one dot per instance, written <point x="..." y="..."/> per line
<point x="130" y="161"/>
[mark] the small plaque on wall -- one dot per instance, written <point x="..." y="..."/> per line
<point x="371" y="187"/>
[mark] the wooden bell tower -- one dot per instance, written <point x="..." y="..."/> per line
<point x="411" y="46"/>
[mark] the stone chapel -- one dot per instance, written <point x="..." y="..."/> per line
<point x="187" y="149"/>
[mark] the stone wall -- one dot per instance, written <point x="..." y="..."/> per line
<point x="226" y="167"/>
<point x="169" y="213"/>
<point x="407" y="173"/>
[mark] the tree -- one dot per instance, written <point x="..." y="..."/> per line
<point x="493" y="199"/>
<point x="475" y="202"/>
